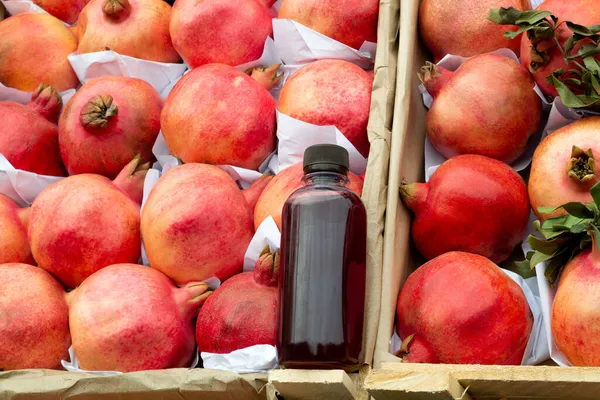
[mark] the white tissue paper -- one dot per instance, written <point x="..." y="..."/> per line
<point x="295" y="136"/>
<point x="535" y="3"/>
<point x="15" y="7"/>
<point x="73" y="365"/>
<point x="269" y="57"/>
<point x="160" y="75"/>
<point x="298" y="44"/>
<point x="433" y="158"/>
<point x="258" y="358"/>
<point x="537" y="349"/>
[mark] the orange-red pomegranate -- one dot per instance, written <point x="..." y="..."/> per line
<point x="582" y="12"/>
<point x="107" y="123"/>
<point x="243" y="311"/>
<point x="487" y="107"/>
<point x="135" y="28"/>
<point x="67" y="11"/>
<point x="331" y="92"/>
<point x="218" y="115"/>
<point x="196" y="224"/>
<point x="255" y="190"/>
<point x="462" y="309"/>
<point x="29" y="138"/>
<point x="272" y="199"/>
<point x="471" y="203"/>
<point x="564" y="166"/>
<point x="85" y="222"/>
<point x="462" y="28"/>
<point x="34" y="49"/>
<point x="14" y="246"/>
<point x="129" y="317"/>
<point x="351" y="22"/>
<point x="34" y="319"/>
<point x="575" y="319"/>
<point x="231" y="32"/>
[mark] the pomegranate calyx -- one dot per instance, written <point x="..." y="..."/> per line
<point x="268" y="77"/>
<point x="47" y="102"/>
<point x="413" y="195"/>
<point x="581" y="165"/>
<point x="98" y="111"/>
<point x="404" y="347"/>
<point x="131" y="178"/>
<point x="115" y="8"/>
<point x="191" y="297"/>
<point x="434" y="77"/>
<point x="266" y="269"/>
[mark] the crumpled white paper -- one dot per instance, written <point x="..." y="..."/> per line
<point x="537" y="349"/>
<point x="296" y="136"/>
<point x="268" y="57"/>
<point x="434" y="159"/>
<point x="258" y="358"/>
<point x="22" y="186"/>
<point x="162" y="76"/>
<point x="73" y="365"/>
<point x="298" y="44"/>
<point x="536" y="3"/>
<point x="18" y="96"/>
<point x="15" y="7"/>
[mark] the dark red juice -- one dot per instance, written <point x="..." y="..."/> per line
<point x="322" y="286"/>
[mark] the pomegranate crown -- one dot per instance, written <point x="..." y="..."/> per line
<point x="47" y="102"/>
<point x="116" y="8"/>
<point x="98" y="111"/>
<point x="267" y="77"/>
<point x="266" y="269"/>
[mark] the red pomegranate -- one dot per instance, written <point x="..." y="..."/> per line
<point x="475" y="114"/>
<point x="563" y="168"/>
<point x="460" y="308"/>
<point x="575" y="319"/>
<point x="462" y="28"/>
<point x="34" y="319"/>
<point x="471" y="203"/>
<point x="196" y="224"/>
<point x="231" y="32"/>
<point x="238" y="129"/>
<point x="243" y="311"/>
<point x="85" y="222"/>
<point x="351" y="22"/>
<point x="128" y="317"/>
<point x="34" y="49"/>
<point x="107" y="123"/>
<point x="331" y="92"/>
<point x="286" y="182"/>
<point x="582" y="12"/>
<point x="135" y="28"/>
<point x="255" y="190"/>
<point x="29" y="139"/>
<point x="14" y="246"/>
<point x="67" y="11"/>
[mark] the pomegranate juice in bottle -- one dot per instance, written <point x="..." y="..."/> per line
<point x="323" y="251"/>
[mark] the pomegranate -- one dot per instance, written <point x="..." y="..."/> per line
<point x="575" y="319"/>
<point x="471" y="203"/>
<point x="29" y="139"/>
<point x="34" y="49"/>
<point x="107" y="123"/>
<point x="460" y="308"/>
<point x="14" y="246"/>
<point x="582" y="12"/>
<point x="196" y="224"/>
<point x="255" y="190"/>
<point x="331" y="92"/>
<point x="462" y="28"/>
<point x="487" y="107"/>
<point x="231" y="32"/>
<point x="273" y="197"/>
<point x="86" y="222"/>
<point x="67" y="11"/>
<point x="563" y="168"/>
<point x="351" y="22"/>
<point x="135" y="28"/>
<point x="128" y="317"/>
<point x="238" y="129"/>
<point x="243" y="311"/>
<point x="34" y="319"/>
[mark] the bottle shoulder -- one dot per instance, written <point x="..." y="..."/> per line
<point x="313" y="193"/>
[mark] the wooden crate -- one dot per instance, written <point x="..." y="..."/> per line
<point x="390" y="378"/>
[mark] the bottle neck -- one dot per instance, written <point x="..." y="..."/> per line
<point x="329" y="178"/>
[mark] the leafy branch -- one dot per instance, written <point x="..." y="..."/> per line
<point x="565" y="236"/>
<point x="578" y="87"/>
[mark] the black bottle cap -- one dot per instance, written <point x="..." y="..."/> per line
<point x="326" y="158"/>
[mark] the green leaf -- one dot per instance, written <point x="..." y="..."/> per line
<point x="532" y="16"/>
<point x="569" y="98"/>
<point x="580" y="29"/>
<point x="585" y="51"/>
<point x="594" y="231"/>
<point x="539" y="258"/>
<point x="504" y="16"/>
<point x="553" y="268"/>
<point x="546" y="210"/>
<point x="578" y="210"/>
<point x="595" y="192"/>
<point x="522" y="268"/>
<point x="579" y="228"/>
<point x="548" y="247"/>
